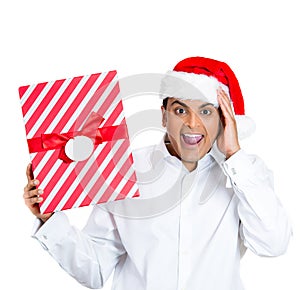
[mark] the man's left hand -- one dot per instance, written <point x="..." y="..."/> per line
<point x="227" y="141"/>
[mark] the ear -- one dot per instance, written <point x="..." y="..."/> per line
<point x="164" y="116"/>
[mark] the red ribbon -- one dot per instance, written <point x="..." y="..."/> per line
<point x="90" y="129"/>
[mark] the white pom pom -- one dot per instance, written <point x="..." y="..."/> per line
<point x="245" y="126"/>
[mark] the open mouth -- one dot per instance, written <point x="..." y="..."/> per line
<point x="192" y="139"/>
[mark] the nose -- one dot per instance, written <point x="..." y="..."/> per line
<point x="193" y="120"/>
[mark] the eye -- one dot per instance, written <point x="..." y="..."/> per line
<point x="180" y="111"/>
<point x="205" y="112"/>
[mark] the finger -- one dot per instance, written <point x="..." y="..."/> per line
<point x="32" y="193"/>
<point x="33" y="200"/>
<point x="29" y="172"/>
<point x="225" y="104"/>
<point x="225" y="100"/>
<point x="31" y="184"/>
<point x="223" y="107"/>
<point x="224" y="94"/>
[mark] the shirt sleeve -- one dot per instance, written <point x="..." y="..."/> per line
<point x="89" y="255"/>
<point x="265" y="227"/>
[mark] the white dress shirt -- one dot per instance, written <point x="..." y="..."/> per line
<point x="187" y="230"/>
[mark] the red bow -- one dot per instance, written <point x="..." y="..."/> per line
<point x="90" y="129"/>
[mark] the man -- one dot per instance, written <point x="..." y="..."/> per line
<point x="203" y="199"/>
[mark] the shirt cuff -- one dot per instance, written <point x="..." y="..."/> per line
<point x="239" y="167"/>
<point x="51" y="232"/>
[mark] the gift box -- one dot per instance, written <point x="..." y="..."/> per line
<point x="78" y="141"/>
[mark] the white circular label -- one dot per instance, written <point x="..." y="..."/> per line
<point x="80" y="148"/>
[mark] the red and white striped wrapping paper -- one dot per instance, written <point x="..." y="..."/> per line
<point x="64" y="106"/>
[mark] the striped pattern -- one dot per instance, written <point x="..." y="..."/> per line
<point x="63" y="106"/>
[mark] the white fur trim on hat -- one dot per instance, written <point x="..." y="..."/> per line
<point x="207" y="86"/>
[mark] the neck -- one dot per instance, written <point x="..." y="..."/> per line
<point x="190" y="166"/>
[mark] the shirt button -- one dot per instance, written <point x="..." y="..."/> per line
<point x="184" y="253"/>
<point x="45" y="237"/>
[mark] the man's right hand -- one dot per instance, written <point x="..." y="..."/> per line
<point x="33" y="196"/>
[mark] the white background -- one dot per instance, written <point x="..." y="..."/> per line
<point x="48" y="40"/>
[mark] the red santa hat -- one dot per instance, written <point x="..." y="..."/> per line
<point x="207" y="75"/>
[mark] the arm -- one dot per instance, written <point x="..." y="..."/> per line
<point x="265" y="228"/>
<point x="89" y="255"/>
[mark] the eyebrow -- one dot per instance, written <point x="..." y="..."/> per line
<point x="180" y="103"/>
<point x="186" y="106"/>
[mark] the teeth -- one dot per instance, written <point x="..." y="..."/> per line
<point x="192" y="135"/>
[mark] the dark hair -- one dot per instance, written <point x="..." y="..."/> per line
<point x="165" y="102"/>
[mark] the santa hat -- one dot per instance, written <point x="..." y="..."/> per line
<point x="207" y="75"/>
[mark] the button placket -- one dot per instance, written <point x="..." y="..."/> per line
<point x="184" y="232"/>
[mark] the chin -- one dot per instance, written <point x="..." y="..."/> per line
<point x="192" y="159"/>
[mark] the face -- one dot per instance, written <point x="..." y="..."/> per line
<point x="192" y="127"/>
